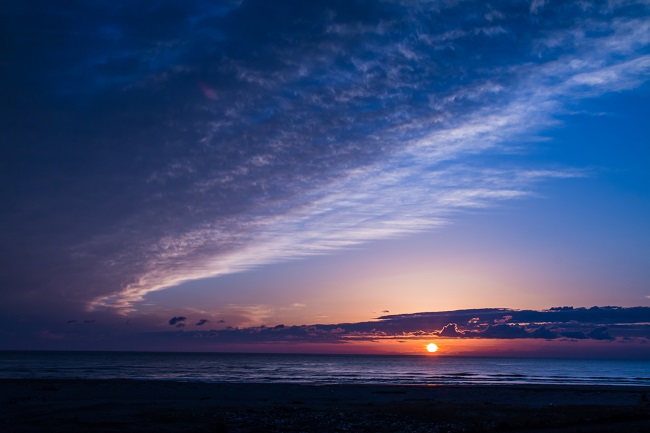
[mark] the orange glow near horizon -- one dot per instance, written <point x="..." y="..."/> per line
<point x="494" y="347"/>
<point x="451" y="347"/>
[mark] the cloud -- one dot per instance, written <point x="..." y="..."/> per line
<point x="450" y="330"/>
<point x="577" y="335"/>
<point x="600" y="333"/>
<point x="536" y="5"/>
<point x="220" y="142"/>
<point x="556" y="322"/>
<point x="566" y="322"/>
<point x="175" y="320"/>
<point x="421" y="182"/>
<point x="505" y="332"/>
<point x="543" y="332"/>
<point x="595" y="327"/>
<point x="201" y="322"/>
<point x="560" y="323"/>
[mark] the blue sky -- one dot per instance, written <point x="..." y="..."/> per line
<point x="308" y="162"/>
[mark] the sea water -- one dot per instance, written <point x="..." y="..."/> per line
<point x="321" y="369"/>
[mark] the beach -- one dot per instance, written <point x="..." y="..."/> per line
<point x="71" y="405"/>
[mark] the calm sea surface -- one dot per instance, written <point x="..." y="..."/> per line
<point x="321" y="369"/>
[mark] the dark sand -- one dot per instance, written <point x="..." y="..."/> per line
<point x="159" y="406"/>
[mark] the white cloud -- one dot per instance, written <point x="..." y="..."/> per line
<point x="536" y="5"/>
<point x="424" y="179"/>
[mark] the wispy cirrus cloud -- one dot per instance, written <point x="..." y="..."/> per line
<point x="222" y="141"/>
<point x="416" y="187"/>
<point x="428" y="168"/>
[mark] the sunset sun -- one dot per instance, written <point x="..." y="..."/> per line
<point x="432" y="348"/>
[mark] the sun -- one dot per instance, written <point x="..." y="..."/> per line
<point x="432" y="348"/>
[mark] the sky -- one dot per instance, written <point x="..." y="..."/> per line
<point x="326" y="176"/>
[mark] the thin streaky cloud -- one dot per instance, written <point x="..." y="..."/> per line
<point x="404" y="195"/>
<point x="399" y="195"/>
<point x="225" y="141"/>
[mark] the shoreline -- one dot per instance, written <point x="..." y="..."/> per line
<point x="111" y="405"/>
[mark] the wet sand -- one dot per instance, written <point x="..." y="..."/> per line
<point x="59" y="405"/>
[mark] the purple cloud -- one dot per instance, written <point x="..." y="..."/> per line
<point x="174" y="320"/>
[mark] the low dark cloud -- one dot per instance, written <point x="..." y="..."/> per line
<point x="543" y="332"/>
<point x="479" y="318"/>
<point x="174" y="320"/>
<point x="595" y="327"/>
<point x="450" y="330"/>
<point x="201" y="322"/>
<point x="500" y="331"/>
<point x="596" y="323"/>
<point x="576" y="335"/>
<point x="504" y="331"/>
<point x="600" y="333"/>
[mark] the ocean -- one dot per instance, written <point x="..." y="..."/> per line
<point x="321" y="369"/>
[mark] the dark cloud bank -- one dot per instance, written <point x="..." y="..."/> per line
<point x="567" y="323"/>
<point x="595" y="331"/>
